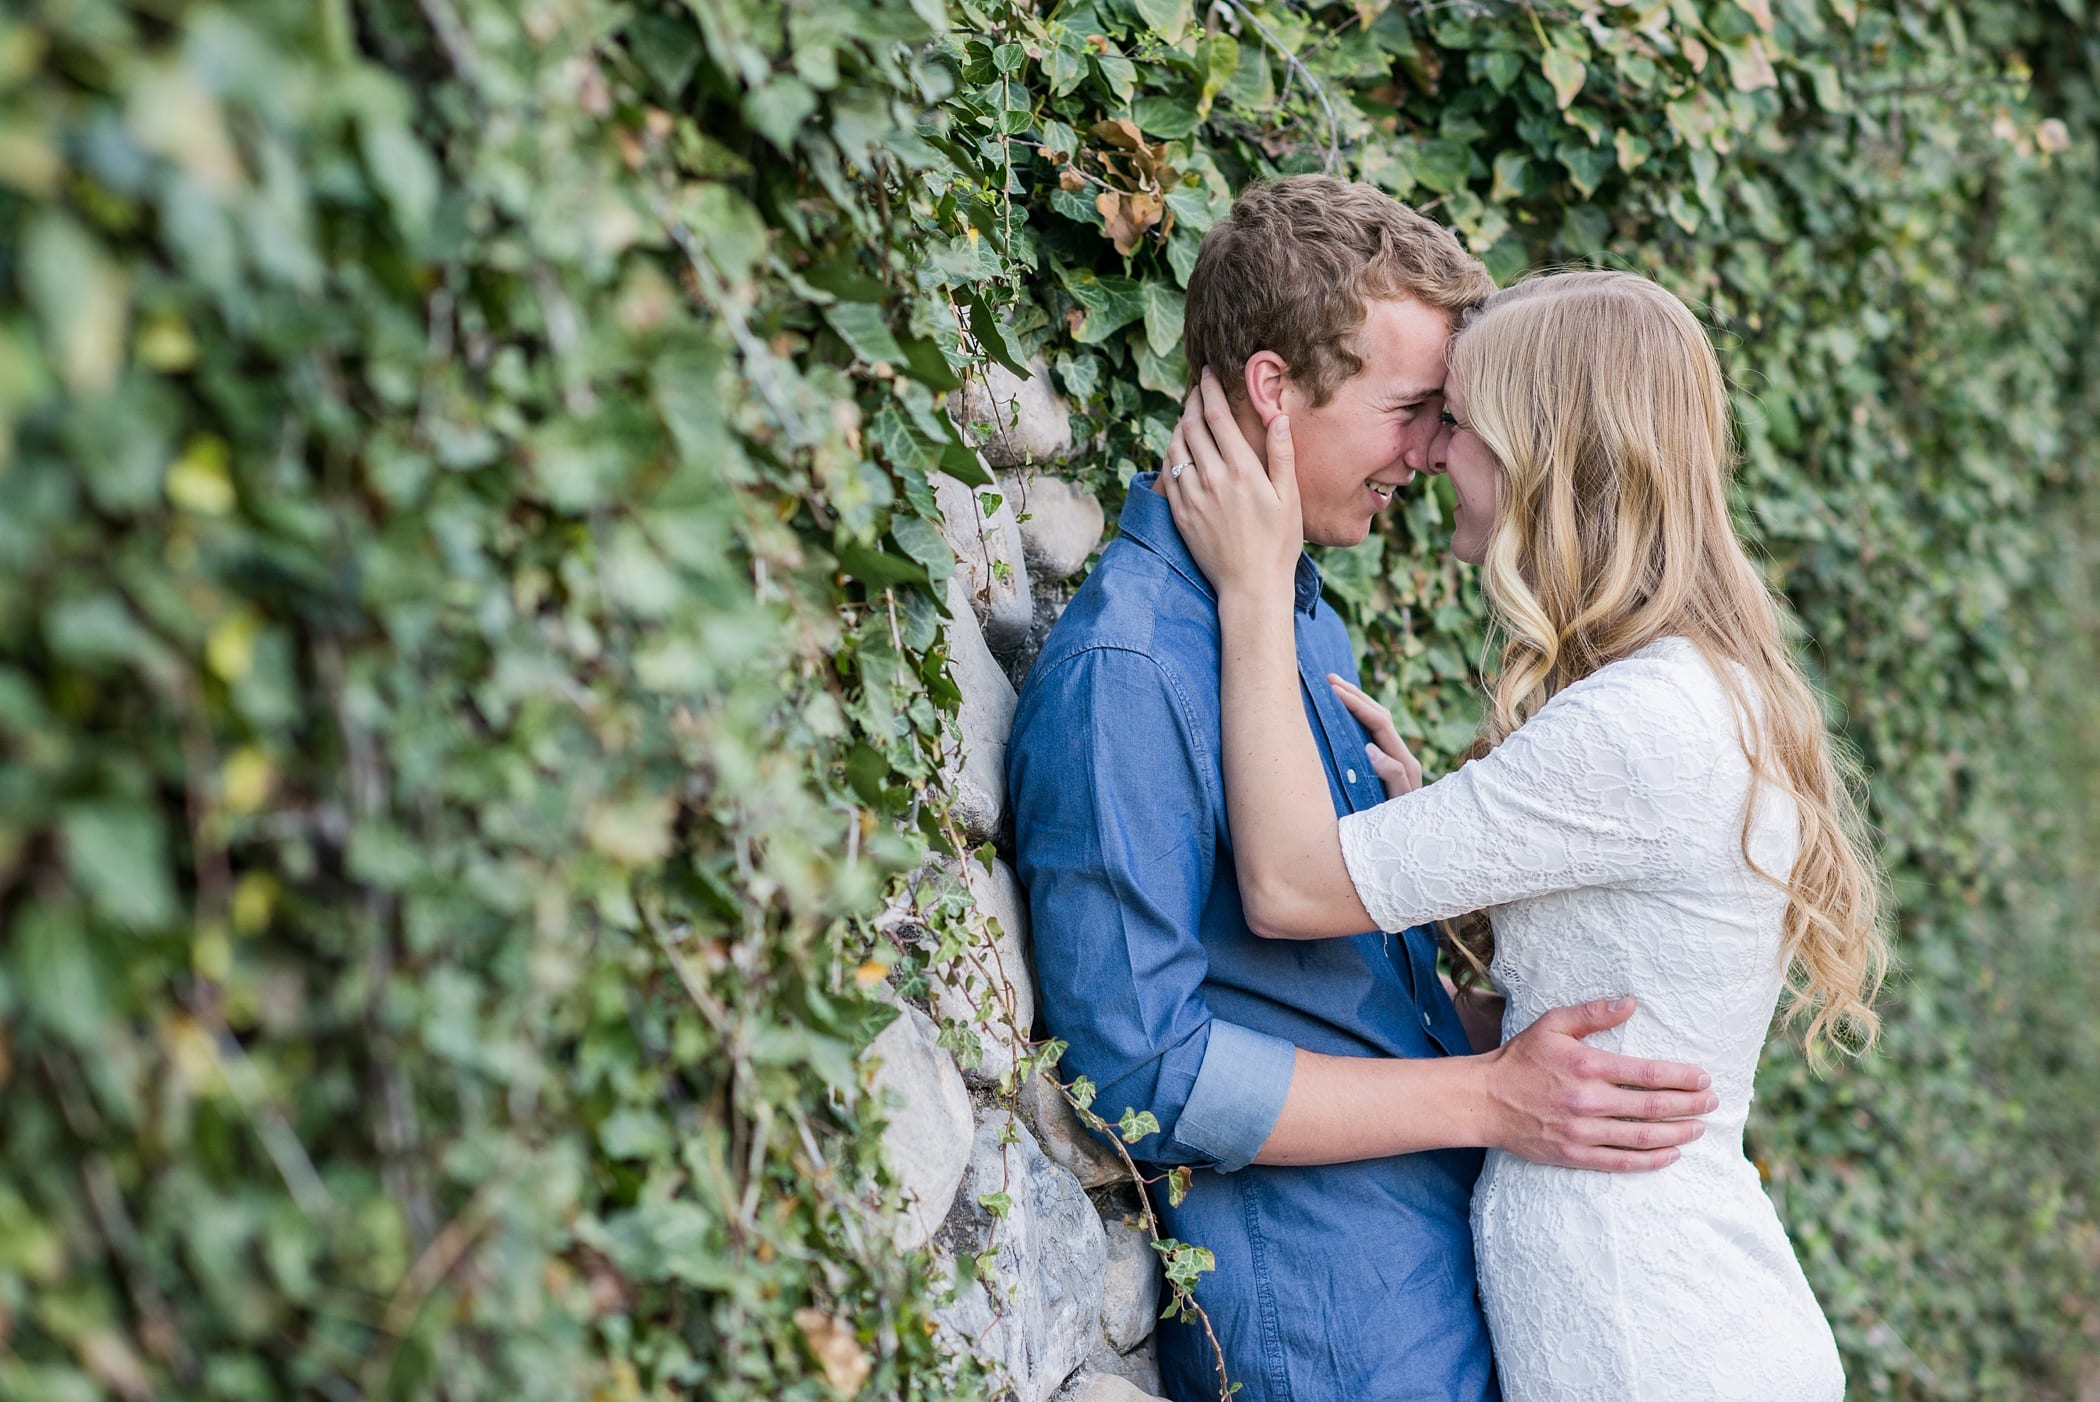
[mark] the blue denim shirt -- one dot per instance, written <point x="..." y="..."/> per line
<point x="1340" y="1283"/>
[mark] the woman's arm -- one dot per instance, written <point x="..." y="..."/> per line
<point x="1286" y="841"/>
<point x="1240" y="519"/>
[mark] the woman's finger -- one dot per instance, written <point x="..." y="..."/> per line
<point x="1203" y="449"/>
<point x="1372" y="716"/>
<point x="1413" y="767"/>
<point x="1342" y="684"/>
<point x="1385" y="737"/>
<point x="1391" y="772"/>
<point x="1177" y="451"/>
<point x="1283" y="463"/>
<point x="1224" y="429"/>
<point x="1171" y="483"/>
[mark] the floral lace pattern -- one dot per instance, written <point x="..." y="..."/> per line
<point x="1604" y="837"/>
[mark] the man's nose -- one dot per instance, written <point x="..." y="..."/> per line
<point x="1435" y="461"/>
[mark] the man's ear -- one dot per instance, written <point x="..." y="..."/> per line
<point x="1267" y="377"/>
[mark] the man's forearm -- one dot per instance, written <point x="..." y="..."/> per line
<point x="1344" y="1108"/>
<point x="1543" y="1095"/>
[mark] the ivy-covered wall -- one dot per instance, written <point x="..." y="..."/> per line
<point x="473" y="653"/>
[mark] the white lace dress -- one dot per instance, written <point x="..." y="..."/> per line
<point x="1604" y="836"/>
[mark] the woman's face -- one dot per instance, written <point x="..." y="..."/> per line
<point x="1476" y="477"/>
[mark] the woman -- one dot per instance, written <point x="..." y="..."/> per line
<point x="1652" y="809"/>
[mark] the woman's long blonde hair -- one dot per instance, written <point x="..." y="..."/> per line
<point x="1603" y="401"/>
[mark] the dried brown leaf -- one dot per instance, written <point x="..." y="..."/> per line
<point x="845" y="1363"/>
<point x="1128" y="214"/>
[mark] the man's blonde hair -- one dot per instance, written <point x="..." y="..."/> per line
<point x="1293" y="267"/>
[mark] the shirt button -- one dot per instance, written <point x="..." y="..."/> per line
<point x="1352" y="776"/>
<point x="1425" y="1017"/>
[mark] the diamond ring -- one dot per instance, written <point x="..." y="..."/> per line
<point x="1175" y="470"/>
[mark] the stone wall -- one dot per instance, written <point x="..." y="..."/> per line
<point x="1039" y="1225"/>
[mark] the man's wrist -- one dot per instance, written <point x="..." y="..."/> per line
<point x="1485" y="1109"/>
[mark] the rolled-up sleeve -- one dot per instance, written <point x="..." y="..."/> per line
<point x="1116" y="843"/>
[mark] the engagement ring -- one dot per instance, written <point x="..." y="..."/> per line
<point x="1174" y="471"/>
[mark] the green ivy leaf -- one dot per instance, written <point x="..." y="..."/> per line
<point x="1110" y="304"/>
<point x="1169" y="19"/>
<point x="1119" y="73"/>
<point x="633" y="1133"/>
<point x="1064" y="64"/>
<point x="922" y="540"/>
<point x="779" y="109"/>
<point x="1564" y="71"/>
<point x="1502" y="68"/>
<point x="117" y="855"/>
<point x="1512" y="177"/>
<point x="1442" y="165"/>
<point x="1136" y="1124"/>
<point x="866" y="328"/>
<point x="989" y="328"/>
<point x="1217" y="59"/>
<point x="1164" y="308"/>
<point x="1161" y="115"/>
<point x="1586" y="165"/>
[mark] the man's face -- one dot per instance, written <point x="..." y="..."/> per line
<point x="1375" y="431"/>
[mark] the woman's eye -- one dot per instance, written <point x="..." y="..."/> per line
<point x="1446" y="420"/>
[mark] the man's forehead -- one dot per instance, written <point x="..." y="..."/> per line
<point x="1413" y="386"/>
<point x="1403" y="342"/>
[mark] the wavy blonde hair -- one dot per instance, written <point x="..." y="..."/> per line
<point x="1604" y="404"/>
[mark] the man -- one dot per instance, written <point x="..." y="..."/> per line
<point x="1325" y="1092"/>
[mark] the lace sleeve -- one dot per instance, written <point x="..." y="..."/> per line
<point x="1612" y="781"/>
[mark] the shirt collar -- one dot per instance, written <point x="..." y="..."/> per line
<point x="1147" y="517"/>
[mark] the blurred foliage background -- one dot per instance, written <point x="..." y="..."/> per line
<point x="470" y="644"/>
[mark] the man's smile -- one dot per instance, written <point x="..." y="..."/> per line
<point x="1384" y="490"/>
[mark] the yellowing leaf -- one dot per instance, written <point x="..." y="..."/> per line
<point x="83" y="299"/>
<point x="29" y="161"/>
<point x="199" y="480"/>
<point x="172" y="113"/>
<point x="164" y="343"/>
<point x="634" y="832"/>
<point x="246" y="778"/>
<point x="1759" y="10"/>
<point x="229" y="650"/>
<point x="254" y="902"/>
<point x="212" y="954"/>
<point x="190" y="1052"/>
<point x="1750" y="67"/>
<point x="1564" y="71"/>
